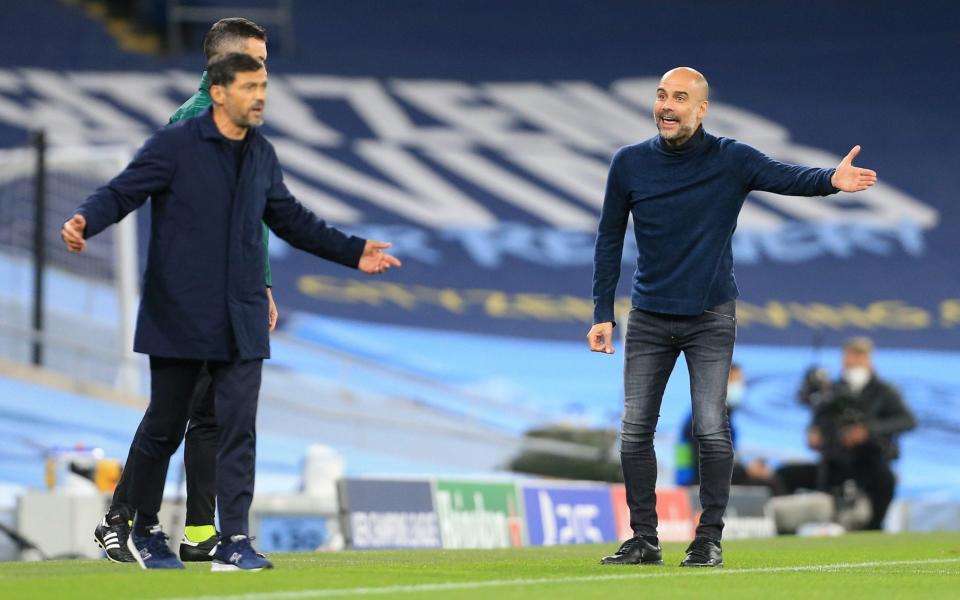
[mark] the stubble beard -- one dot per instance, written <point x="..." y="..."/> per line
<point x="678" y="137"/>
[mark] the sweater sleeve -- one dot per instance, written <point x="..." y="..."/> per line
<point x="150" y="171"/>
<point x="765" y="174"/>
<point x="301" y="228"/>
<point x="608" y="252"/>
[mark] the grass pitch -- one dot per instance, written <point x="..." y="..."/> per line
<point x="868" y="566"/>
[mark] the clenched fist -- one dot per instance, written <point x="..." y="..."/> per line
<point x="600" y="338"/>
<point x="72" y="233"/>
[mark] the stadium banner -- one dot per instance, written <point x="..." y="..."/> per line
<point x="389" y="514"/>
<point x="747" y="515"/>
<point x="674" y="514"/>
<point x="478" y="514"/>
<point x="568" y="514"/>
<point x="490" y="192"/>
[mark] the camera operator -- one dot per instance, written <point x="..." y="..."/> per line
<point x="856" y="422"/>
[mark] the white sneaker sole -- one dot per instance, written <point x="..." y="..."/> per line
<point x="216" y="567"/>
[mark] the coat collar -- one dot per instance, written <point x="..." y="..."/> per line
<point x="209" y="131"/>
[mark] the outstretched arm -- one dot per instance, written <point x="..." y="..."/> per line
<point x="768" y="175"/>
<point x="149" y="172"/>
<point x="301" y="228"/>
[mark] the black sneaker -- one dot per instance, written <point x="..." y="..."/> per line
<point x="199" y="551"/>
<point x="111" y="535"/>
<point x="635" y="551"/>
<point x="703" y="552"/>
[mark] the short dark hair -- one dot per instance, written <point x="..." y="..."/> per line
<point x="860" y="344"/>
<point x="223" y="70"/>
<point x="230" y="31"/>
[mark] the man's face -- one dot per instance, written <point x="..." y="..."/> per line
<point x="857" y="358"/>
<point x="245" y="98"/>
<point x="679" y="107"/>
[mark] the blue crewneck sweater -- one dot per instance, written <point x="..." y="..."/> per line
<point x="685" y="203"/>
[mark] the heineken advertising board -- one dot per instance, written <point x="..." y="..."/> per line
<point x="478" y="515"/>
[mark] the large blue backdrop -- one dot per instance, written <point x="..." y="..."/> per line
<point x="476" y="135"/>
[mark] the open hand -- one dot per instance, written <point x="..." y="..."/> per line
<point x="848" y="178"/>
<point x="72" y="233"/>
<point x="374" y="260"/>
<point x="600" y="338"/>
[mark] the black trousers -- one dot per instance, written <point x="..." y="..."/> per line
<point x="235" y="387"/>
<point x="199" y="457"/>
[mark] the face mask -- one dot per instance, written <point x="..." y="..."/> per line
<point x="735" y="393"/>
<point x="857" y="378"/>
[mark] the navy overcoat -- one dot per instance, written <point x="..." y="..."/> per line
<point x="203" y="295"/>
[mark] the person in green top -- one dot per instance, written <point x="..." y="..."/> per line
<point x="200" y="538"/>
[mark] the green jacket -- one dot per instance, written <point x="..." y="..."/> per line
<point x="198" y="103"/>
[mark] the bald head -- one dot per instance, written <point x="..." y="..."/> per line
<point x="689" y="78"/>
<point x="682" y="100"/>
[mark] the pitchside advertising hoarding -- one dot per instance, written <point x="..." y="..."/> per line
<point x="563" y="513"/>
<point x="464" y="513"/>
<point x="747" y="515"/>
<point x="479" y="515"/>
<point x="389" y="514"/>
<point x="674" y="514"/>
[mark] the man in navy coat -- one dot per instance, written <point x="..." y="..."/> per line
<point x="212" y="180"/>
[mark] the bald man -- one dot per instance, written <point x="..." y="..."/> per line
<point x="684" y="188"/>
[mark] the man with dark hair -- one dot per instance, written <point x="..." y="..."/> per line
<point x="684" y="188"/>
<point x="227" y="35"/>
<point x="203" y="299"/>
<point x="199" y="541"/>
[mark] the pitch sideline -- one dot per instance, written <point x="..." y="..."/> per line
<point x="494" y="583"/>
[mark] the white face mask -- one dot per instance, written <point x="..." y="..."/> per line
<point x="857" y="378"/>
<point x="735" y="393"/>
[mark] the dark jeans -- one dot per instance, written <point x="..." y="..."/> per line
<point x="199" y="457"/>
<point x="654" y="341"/>
<point x="236" y="387"/>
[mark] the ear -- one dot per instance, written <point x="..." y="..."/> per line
<point x="218" y="94"/>
<point x="702" y="109"/>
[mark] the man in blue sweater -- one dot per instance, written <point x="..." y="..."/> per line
<point x="684" y="188"/>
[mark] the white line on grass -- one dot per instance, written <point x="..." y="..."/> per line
<point x="494" y="583"/>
